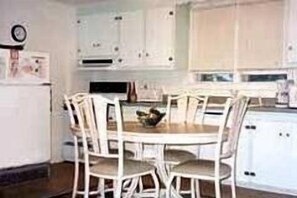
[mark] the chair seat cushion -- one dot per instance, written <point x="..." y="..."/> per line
<point x="201" y="169"/>
<point x="109" y="167"/>
<point x="175" y="156"/>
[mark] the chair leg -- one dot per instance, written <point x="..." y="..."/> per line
<point x="118" y="189"/>
<point x="168" y="186"/>
<point x="140" y="184"/>
<point x="157" y="185"/>
<point x="197" y="187"/>
<point x="101" y="187"/>
<point x="132" y="187"/>
<point x="218" y="188"/>
<point x="76" y="167"/>
<point x="178" y="184"/>
<point x="233" y="184"/>
<point x="87" y="186"/>
<point x="192" y="188"/>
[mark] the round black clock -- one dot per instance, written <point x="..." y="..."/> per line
<point x="18" y="33"/>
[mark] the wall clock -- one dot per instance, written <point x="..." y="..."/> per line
<point x="18" y="33"/>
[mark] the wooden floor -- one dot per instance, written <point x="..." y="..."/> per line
<point x="60" y="183"/>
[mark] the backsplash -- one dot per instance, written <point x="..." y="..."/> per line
<point x="176" y="78"/>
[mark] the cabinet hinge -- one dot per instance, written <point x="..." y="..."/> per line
<point x="118" y="18"/>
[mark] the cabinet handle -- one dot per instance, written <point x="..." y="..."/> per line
<point x="171" y="13"/>
<point x="147" y="54"/>
<point x="247" y="127"/>
<point x="280" y="134"/>
<point x="96" y="44"/>
<point x="120" y="60"/>
<point x="246" y="173"/>
<point x="253" y="174"/>
<point x="116" y="49"/>
<point x="118" y="18"/>
<point x="78" y="21"/>
<point x="288" y="134"/>
<point x="253" y="127"/>
<point x="78" y="50"/>
<point x="170" y="59"/>
<point x="290" y="48"/>
<point x="139" y="55"/>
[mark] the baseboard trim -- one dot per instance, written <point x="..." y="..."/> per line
<point x="15" y="175"/>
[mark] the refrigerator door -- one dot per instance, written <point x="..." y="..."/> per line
<point x="25" y="125"/>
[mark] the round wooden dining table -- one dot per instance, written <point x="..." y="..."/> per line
<point x="166" y="133"/>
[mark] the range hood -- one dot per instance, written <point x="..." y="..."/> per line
<point x="96" y="62"/>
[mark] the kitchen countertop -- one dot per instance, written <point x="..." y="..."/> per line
<point x="255" y="108"/>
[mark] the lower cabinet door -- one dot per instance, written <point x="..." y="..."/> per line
<point x="274" y="161"/>
<point x="266" y="153"/>
<point x="243" y="160"/>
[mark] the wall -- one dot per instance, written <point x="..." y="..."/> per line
<point x="51" y="28"/>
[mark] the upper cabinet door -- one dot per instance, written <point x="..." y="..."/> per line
<point x="131" y="39"/>
<point x="160" y="36"/>
<point x="291" y="45"/>
<point x="98" y="35"/>
<point x="260" y="35"/>
<point x="212" y="39"/>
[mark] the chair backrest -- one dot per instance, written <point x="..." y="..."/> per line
<point x="235" y="110"/>
<point x="188" y="106"/>
<point x="68" y="102"/>
<point x="91" y="113"/>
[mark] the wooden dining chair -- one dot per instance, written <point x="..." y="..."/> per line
<point x="76" y="134"/>
<point x="216" y="170"/>
<point x="190" y="108"/>
<point x="75" y="131"/>
<point x="91" y="113"/>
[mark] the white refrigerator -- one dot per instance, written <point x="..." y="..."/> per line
<point x="24" y="108"/>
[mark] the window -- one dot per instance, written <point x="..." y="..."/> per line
<point x="263" y="77"/>
<point x="216" y="77"/>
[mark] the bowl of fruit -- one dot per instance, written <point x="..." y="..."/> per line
<point x="150" y="119"/>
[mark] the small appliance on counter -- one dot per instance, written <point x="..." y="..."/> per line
<point x="282" y="94"/>
<point x="293" y="96"/>
<point x="149" y="91"/>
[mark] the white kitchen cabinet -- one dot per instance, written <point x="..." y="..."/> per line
<point x="291" y="44"/>
<point x="266" y="155"/>
<point x="160" y="36"/>
<point x="98" y="35"/>
<point x="131" y="39"/>
<point x="147" y="38"/>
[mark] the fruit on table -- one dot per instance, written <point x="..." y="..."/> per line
<point x="150" y="119"/>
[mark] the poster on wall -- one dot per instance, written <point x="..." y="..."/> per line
<point x="4" y="62"/>
<point x="23" y="67"/>
<point x="29" y="67"/>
